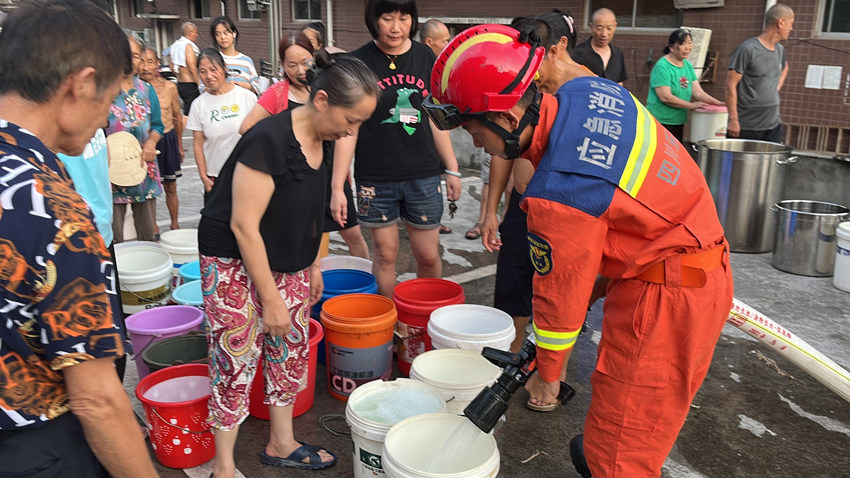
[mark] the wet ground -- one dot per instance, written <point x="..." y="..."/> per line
<point x="756" y="415"/>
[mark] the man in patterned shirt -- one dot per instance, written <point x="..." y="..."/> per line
<point x="63" y="410"/>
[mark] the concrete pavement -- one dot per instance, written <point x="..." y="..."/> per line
<point x="757" y="415"/>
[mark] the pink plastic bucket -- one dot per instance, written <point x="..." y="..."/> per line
<point x="152" y="325"/>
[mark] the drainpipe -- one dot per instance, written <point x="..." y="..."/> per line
<point x="329" y="4"/>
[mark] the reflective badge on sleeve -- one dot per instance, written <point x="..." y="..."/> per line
<point x="540" y="253"/>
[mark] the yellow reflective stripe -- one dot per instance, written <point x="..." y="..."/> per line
<point x="642" y="152"/>
<point x="494" y="37"/>
<point x="555" y="340"/>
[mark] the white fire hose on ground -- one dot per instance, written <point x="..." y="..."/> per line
<point x="791" y="347"/>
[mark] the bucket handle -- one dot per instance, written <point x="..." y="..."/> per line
<point x="143" y="300"/>
<point x="788" y="160"/>
<point x="155" y="336"/>
<point x="184" y="430"/>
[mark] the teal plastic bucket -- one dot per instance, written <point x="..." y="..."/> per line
<point x="341" y="282"/>
<point x="189" y="293"/>
<point x="190" y="271"/>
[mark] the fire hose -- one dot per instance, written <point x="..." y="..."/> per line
<point x="791" y="347"/>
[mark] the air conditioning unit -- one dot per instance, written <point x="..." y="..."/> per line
<point x="685" y="4"/>
<point x="256" y="5"/>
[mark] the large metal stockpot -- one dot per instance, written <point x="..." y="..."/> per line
<point x="805" y="238"/>
<point x="746" y="179"/>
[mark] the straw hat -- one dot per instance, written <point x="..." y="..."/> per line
<point x="125" y="159"/>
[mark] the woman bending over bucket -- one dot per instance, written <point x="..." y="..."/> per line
<point x="259" y="239"/>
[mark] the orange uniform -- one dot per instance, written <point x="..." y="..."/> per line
<point x="615" y="194"/>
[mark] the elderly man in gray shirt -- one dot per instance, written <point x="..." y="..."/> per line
<point x="756" y="73"/>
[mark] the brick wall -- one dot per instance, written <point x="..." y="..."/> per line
<point x="730" y="25"/>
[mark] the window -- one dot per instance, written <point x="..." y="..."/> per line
<point x="641" y="13"/>
<point x="836" y="16"/>
<point x="199" y="8"/>
<point x="250" y="10"/>
<point x="137" y="7"/>
<point x="307" y="9"/>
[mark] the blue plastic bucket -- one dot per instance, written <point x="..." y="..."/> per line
<point x="340" y="282"/>
<point x="189" y="294"/>
<point x="190" y="271"/>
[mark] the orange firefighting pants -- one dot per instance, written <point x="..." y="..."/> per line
<point x="656" y="347"/>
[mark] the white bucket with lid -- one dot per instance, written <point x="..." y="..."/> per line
<point x="144" y="276"/>
<point x="841" y="276"/>
<point x="470" y="327"/>
<point x="332" y="261"/>
<point x="458" y="374"/>
<point x="182" y="244"/>
<point x="708" y="122"/>
<point x="373" y="408"/>
<point x="439" y="446"/>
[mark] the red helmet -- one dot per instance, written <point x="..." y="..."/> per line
<point x="484" y="68"/>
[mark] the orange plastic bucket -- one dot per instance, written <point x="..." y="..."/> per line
<point x="415" y="299"/>
<point x="304" y="399"/>
<point x="175" y="400"/>
<point x="358" y="341"/>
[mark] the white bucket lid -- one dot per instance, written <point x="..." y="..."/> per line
<point x="181" y="241"/>
<point x="472" y="322"/>
<point x="142" y="260"/>
<point x="428" y="400"/>
<point x="454" y="369"/>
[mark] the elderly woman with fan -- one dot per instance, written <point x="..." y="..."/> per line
<point x="135" y="111"/>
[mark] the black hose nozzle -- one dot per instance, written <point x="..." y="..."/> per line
<point x="492" y="402"/>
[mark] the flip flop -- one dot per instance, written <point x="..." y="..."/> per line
<point x="564" y="395"/>
<point x="294" y="459"/>
<point x="474" y="232"/>
<point x="445" y="229"/>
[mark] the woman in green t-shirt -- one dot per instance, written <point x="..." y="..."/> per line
<point x="673" y="85"/>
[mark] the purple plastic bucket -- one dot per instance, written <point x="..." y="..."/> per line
<point x="152" y="325"/>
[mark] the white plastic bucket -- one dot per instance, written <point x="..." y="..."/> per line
<point x="458" y="374"/>
<point x="470" y="327"/>
<point x="708" y="122"/>
<point x="125" y="245"/>
<point x="437" y="446"/>
<point x="373" y="408"/>
<point x="144" y="275"/>
<point x="182" y="244"/>
<point x="841" y="276"/>
<point x="331" y="262"/>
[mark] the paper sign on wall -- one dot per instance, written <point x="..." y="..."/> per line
<point x="823" y="77"/>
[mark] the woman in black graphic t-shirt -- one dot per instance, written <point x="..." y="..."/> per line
<point x="400" y="154"/>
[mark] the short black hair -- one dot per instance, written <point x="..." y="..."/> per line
<point x="549" y="28"/>
<point x="376" y="8"/>
<point x="679" y="36"/>
<point x="346" y="80"/>
<point x="214" y="56"/>
<point x="59" y="38"/>
<point x="319" y="28"/>
<point x="228" y="23"/>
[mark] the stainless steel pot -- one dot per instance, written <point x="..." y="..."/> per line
<point x="746" y="178"/>
<point x="805" y="236"/>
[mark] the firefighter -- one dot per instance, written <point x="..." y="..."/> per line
<point x="613" y="193"/>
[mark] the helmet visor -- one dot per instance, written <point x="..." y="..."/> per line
<point x="446" y="116"/>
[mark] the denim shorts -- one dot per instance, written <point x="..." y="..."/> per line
<point x="418" y="202"/>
